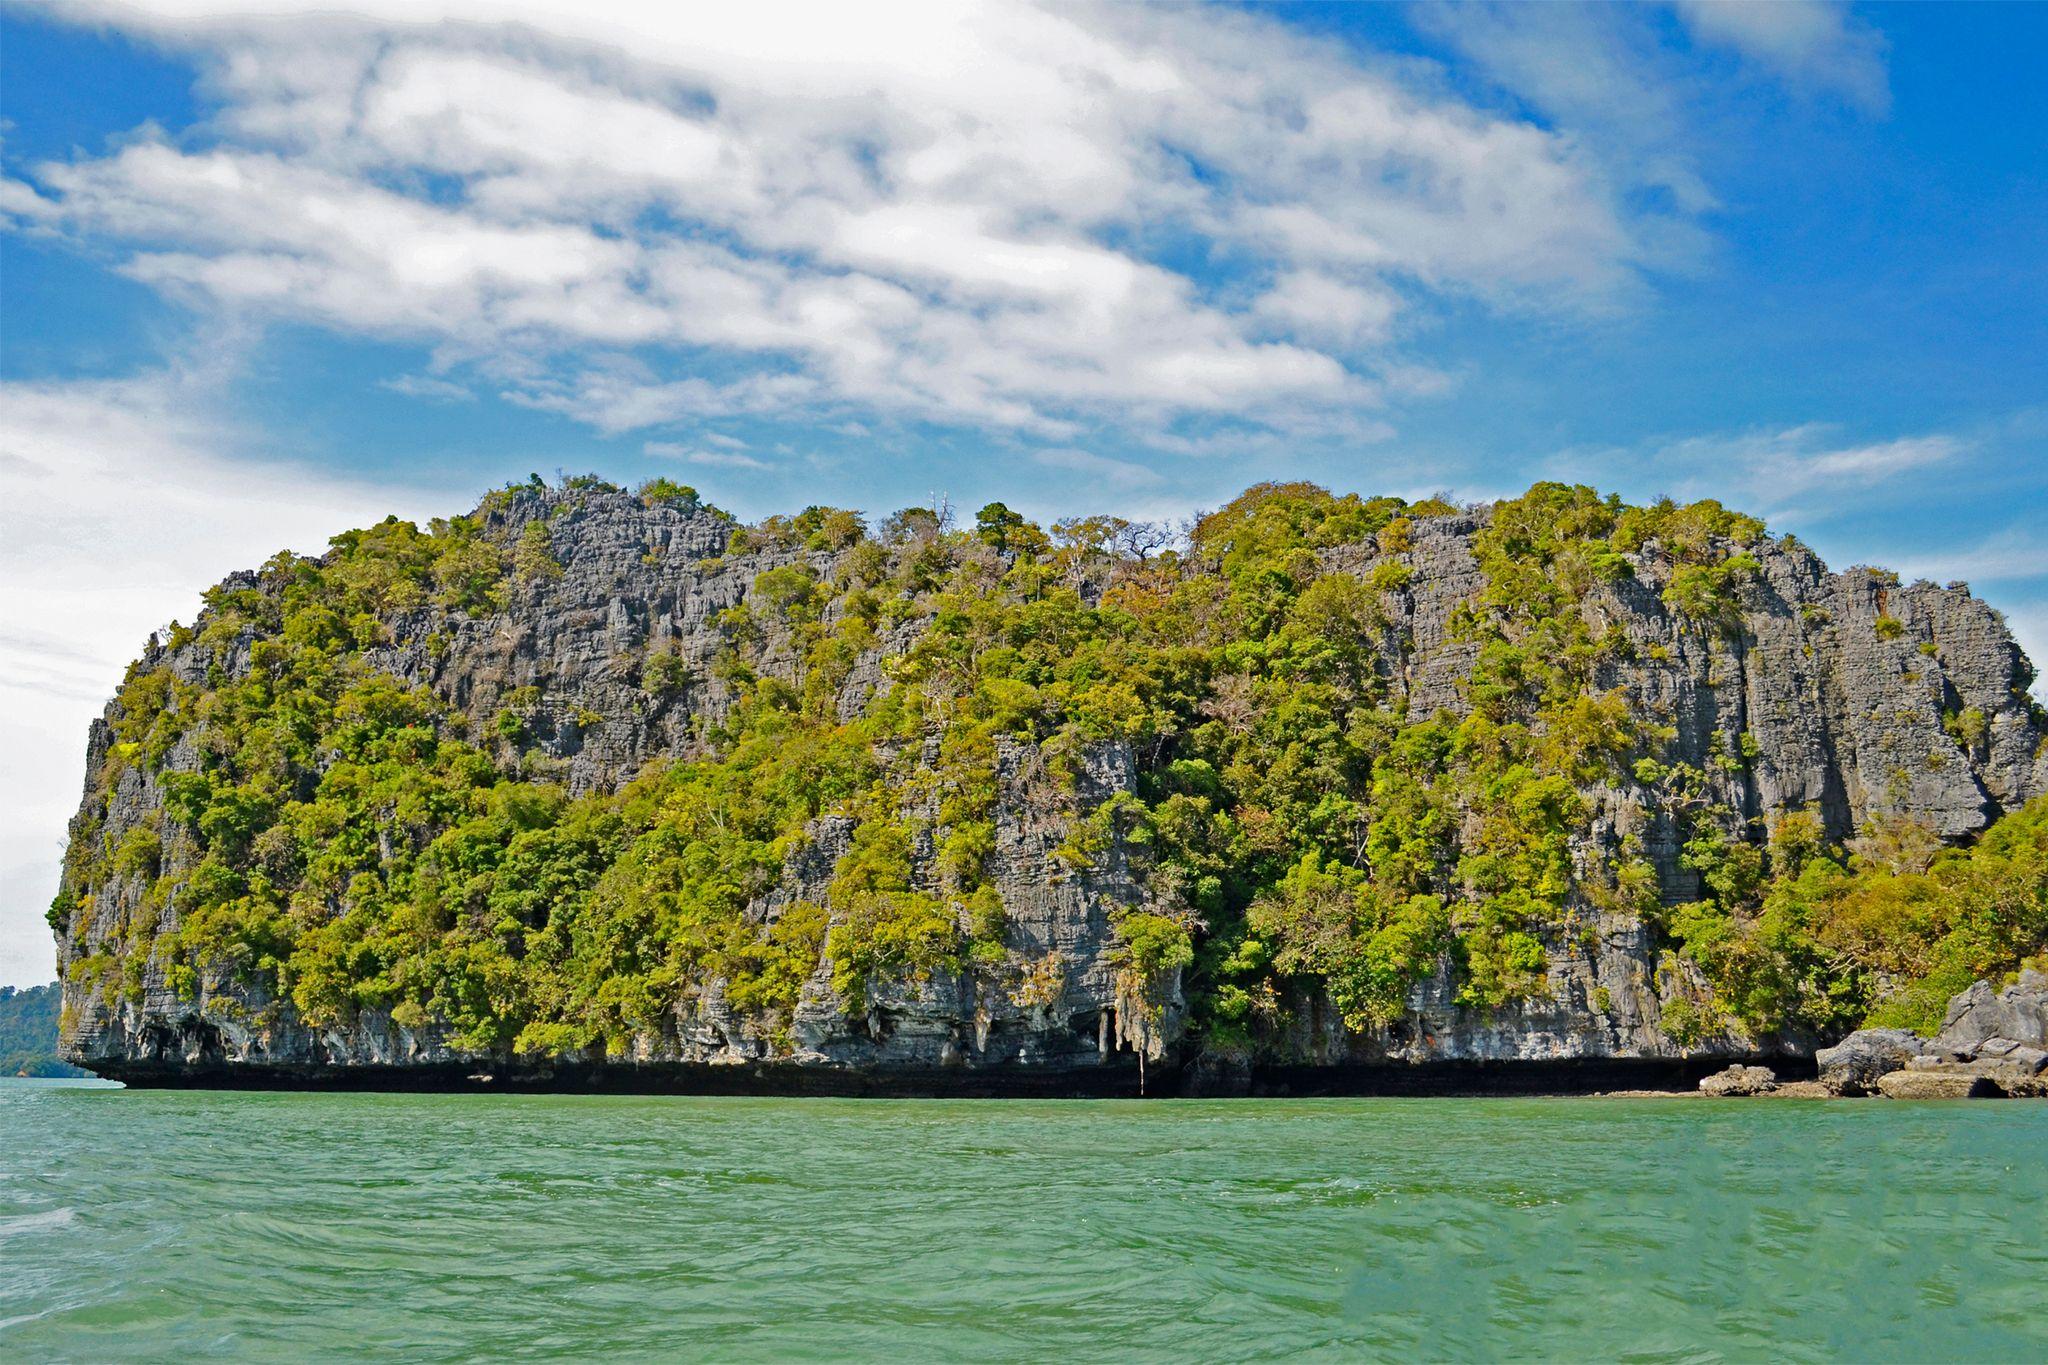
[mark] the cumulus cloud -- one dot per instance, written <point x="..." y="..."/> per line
<point x="972" y="213"/>
<point x="118" y="498"/>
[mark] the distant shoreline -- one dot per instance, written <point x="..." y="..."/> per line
<point x="28" y="1033"/>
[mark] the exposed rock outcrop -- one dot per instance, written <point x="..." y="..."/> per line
<point x="1979" y="1015"/>
<point x="1989" y="1043"/>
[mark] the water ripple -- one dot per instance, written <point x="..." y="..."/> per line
<point x="140" y="1225"/>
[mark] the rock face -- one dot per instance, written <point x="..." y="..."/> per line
<point x="1833" y="685"/>
<point x="1071" y="1020"/>
<point x="1989" y="1043"/>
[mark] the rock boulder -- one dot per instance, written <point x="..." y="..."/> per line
<point x="1854" y="1065"/>
<point x="1936" y="1085"/>
<point x="1740" y="1080"/>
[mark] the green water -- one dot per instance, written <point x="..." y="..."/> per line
<point x="275" y="1226"/>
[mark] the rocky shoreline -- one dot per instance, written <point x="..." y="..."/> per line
<point x="1198" y="1079"/>
<point x="1992" y="1045"/>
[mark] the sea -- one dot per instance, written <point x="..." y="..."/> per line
<point x="261" y="1226"/>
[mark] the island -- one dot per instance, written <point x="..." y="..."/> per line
<point x="599" y="788"/>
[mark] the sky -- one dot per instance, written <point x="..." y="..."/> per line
<point x="272" y="269"/>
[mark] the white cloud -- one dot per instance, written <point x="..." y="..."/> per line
<point x="1636" y="95"/>
<point x="1601" y="70"/>
<point x="1100" y="468"/>
<point x="1878" y="461"/>
<point x="428" y="387"/>
<point x="1763" y="470"/>
<point x="2012" y="555"/>
<point x="934" y="211"/>
<point x="119" y="501"/>
<point x="1320" y="308"/>
<point x="1804" y="40"/>
<point x="716" y="459"/>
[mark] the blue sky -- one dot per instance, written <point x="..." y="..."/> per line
<point x="267" y="274"/>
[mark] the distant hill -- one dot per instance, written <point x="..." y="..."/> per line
<point x="28" y="1033"/>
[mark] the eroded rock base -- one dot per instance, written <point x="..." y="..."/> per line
<point x="1202" y="1078"/>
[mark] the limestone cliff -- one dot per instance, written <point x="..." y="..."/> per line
<point x="620" y="632"/>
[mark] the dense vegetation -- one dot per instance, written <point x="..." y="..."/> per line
<point x="28" y="1033"/>
<point x="1892" y="928"/>
<point x="355" y="843"/>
